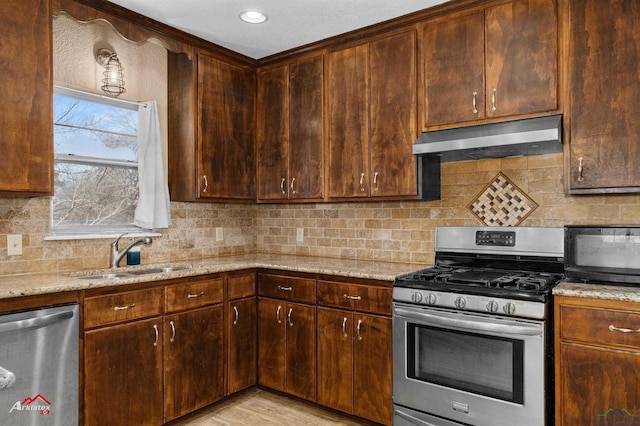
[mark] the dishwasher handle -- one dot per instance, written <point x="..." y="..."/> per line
<point x="37" y="322"/>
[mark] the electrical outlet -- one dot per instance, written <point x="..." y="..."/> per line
<point x="300" y="235"/>
<point x="219" y="233"/>
<point x="14" y="244"/>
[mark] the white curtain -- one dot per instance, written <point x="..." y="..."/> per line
<point x="153" y="209"/>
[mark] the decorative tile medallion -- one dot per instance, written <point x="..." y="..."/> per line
<point x="502" y="203"/>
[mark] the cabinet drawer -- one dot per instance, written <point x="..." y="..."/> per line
<point x="112" y="308"/>
<point x="240" y="286"/>
<point x="591" y="325"/>
<point x="193" y="295"/>
<point x="287" y="288"/>
<point x="355" y="297"/>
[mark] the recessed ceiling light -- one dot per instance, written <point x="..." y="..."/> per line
<point x="253" y="16"/>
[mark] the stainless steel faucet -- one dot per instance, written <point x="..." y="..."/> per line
<point x="116" y="256"/>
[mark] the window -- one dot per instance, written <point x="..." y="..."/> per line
<point x="96" y="164"/>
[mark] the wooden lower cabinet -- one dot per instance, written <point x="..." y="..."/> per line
<point x="123" y="374"/>
<point x="149" y="362"/>
<point x="243" y="349"/>
<point x="596" y="365"/>
<point x="286" y="347"/>
<point x="193" y="360"/>
<point x="354" y="363"/>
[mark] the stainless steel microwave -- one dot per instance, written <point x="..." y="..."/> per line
<point x="602" y="254"/>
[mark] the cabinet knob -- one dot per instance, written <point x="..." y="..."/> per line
<point x="236" y="315"/>
<point x="282" y="189"/>
<point x="206" y="184"/>
<point x="375" y="181"/>
<point x="474" y="99"/>
<point x="293" y="185"/>
<point x="361" y="182"/>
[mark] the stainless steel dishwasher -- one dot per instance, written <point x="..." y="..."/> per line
<point x="39" y="367"/>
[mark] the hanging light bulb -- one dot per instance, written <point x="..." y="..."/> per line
<point x="113" y="81"/>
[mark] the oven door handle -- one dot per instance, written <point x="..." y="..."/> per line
<point x="468" y="325"/>
<point x="412" y="419"/>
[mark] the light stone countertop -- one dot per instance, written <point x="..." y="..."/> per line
<point x="38" y="284"/>
<point x="598" y="291"/>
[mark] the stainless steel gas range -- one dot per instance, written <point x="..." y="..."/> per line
<point x="472" y="337"/>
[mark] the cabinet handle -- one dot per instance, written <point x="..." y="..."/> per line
<point x="278" y="314"/>
<point x="282" y="182"/>
<point x="344" y="327"/>
<point x="580" y="169"/>
<point x="284" y="288"/>
<point x="206" y="184"/>
<point x="155" y="328"/>
<point x="173" y="332"/>
<point x="375" y="181"/>
<point x="194" y="296"/>
<point x="124" y="308"/>
<point x="361" y="182"/>
<point x="494" y="96"/>
<point x="358" y="329"/>
<point x="473" y="102"/>
<point x="623" y="330"/>
<point x="289" y="317"/>
<point x="293" y="183"/>
<point x="346" y="296"/>
<point x="235" y="312"/>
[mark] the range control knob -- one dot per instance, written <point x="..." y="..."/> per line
<point x="509" y="308"/>
<point x="492" y="306"/>
<point x="460" y="302"/>
<point x="416" y="297"/>
<point x="432" y="299"/>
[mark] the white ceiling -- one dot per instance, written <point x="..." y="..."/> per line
<point x="291" y="23"/>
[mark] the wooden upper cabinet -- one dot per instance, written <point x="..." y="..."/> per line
<point x="211" y="130"/>
<point x="393" y="115"/>
<point x="604" y="59"/>
<point x="290" y="130"/>
<point x="226" y="155"/>
<point x="372" y="118"/>
<point x="454" y="69"/>
<point x="26" y="110"/>
<point x="348" y="93"/>
<point x="498" y="62"/>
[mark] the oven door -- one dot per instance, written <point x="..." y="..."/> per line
<point x="470" y="368"/>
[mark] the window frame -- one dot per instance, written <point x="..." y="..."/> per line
<point x="68" y="232"/>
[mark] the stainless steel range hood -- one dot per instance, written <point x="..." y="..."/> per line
<point x="531" y="136"/>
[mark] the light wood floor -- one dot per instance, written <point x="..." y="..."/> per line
<point x="259" y="407"/>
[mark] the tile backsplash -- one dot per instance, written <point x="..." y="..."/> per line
<point x="401" y="231"/>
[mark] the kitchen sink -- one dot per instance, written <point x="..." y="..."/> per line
<point x="103" y="276"/>
<point x="158" y="270"/>
<point x="124" y="273"/>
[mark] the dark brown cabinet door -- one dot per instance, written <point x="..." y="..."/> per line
<point x="497" y="62"/>
<point x="595" y="380"/>
<point x="123" y="374"/>
<point x="454" y="69"/>
<point x="273" y="133"/>
<point x="335" y="359"/>
<point x="306" y="129"/>
<point x="271" y="343"/>
<point x="26" y="110"/>
<point x="226" y="130"/>
<point x="194" y="360"/>
<point x="301" y="351"/>
<point x="242" y="344"/>
<point x="348" y="97"/>
<point x="393" y="115"/>
<point x="604" y="59"/>
<point x="372" y="368"/>
<point x="521" y="57"/>
<point x="290" y="129"/>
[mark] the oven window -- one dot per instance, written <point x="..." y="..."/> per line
<point x="476" y="363"/>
